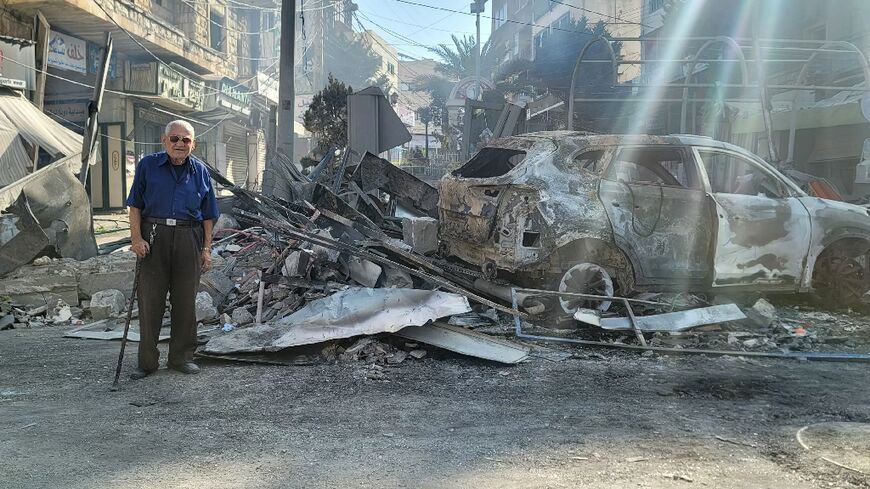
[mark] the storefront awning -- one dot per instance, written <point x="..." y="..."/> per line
<point x="22" y="124"/>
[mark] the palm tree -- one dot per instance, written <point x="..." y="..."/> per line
<point x="459" y="61"/>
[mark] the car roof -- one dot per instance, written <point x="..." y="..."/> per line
<point x="580" y="138"/>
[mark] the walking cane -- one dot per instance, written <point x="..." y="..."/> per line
<point x="127" y="324"/>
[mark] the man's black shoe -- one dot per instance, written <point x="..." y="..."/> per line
<point x="185" y="368"/>
<point x="140" y="374"/>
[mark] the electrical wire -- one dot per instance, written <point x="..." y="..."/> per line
<point x="192" y="5"/>
<point x="599" y="13"/>
<point x="151" y="53"/>
<point x="507" y="21"/>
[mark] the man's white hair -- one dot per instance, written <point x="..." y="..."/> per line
<point x="180" y="123"/>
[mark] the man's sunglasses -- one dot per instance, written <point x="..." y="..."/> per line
<point x="174" y="139"/>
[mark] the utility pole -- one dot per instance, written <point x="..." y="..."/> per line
<point x="477" y="8"/>
<point x="89" y="138"/>
<point x="286" y="88"/>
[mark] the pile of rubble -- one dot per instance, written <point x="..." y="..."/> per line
<point x="328" y="263"/>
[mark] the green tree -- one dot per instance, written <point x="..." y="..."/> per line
<point x="459" y="61"/>
<point x="326" y="119"/>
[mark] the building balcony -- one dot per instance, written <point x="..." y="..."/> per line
<point x="86" y="20"/>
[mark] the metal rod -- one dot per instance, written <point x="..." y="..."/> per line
<point x="633" y="321"/>
<point x="738" y="39"/>
<point x="673" y="61"/>
<point x="815" y="356"/>
<point x="736" y="85"/>
<point x="763" y="93"/>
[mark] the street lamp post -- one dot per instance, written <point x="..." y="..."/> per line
<point x="477" y="7"/>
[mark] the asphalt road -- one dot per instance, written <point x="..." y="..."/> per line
<point x="601" y="419"/>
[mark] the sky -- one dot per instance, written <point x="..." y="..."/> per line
<point x="410" y="28"/>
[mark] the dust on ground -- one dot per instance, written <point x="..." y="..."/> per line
<point x="597" y="419"/>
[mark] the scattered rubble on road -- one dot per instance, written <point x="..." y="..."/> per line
<point x="332" y="267"/>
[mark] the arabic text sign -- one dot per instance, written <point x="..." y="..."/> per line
<point x="67" y="52"/>
<point x="16" y="64"/>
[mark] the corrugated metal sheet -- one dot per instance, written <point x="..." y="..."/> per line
<point x="18" y="114"/>
<point x="20" y="122"/>
<point x="13" y="158"/>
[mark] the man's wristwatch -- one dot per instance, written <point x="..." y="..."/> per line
<point x="206" y="248"/>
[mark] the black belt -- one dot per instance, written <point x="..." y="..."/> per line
<point x="173" y="222"/>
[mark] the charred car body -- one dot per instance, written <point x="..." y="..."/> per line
<point x="604" y="213"/>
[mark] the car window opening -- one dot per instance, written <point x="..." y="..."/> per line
<point x="491" y="162"/>
<point x="650" y="167"/>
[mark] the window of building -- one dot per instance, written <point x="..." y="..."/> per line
<point x="391" y="68"/>
<point x="516" y="43"/>
<point x="217" y="31"/>
<point x="655" y="5"/>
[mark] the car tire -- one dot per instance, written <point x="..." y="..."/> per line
<point x="585" y="278"/>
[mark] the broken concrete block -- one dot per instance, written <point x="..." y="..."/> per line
<point x="421" y="233"/>
<point x="106" y="303"/>
<point x="40" y="290"/>
<point x="216" y="284"/>
<point x="233" y="248"/>
<point x="241" y="316"/>
<point x="6" y="321"/>
<point x="225" y="221"/>
<point x="298" y="263"/>
<point x="763" y="313"/>
<point x="363" y="271"/>
<point x="396" y="279"/>
<point x="42" y="261"/>
<point x="205" y="309"/>
<point x="61" y="313"/>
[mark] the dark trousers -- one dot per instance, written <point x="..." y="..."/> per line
<point x="174" y="265"/>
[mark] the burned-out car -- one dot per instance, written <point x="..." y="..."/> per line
<point x="620" y="214"/>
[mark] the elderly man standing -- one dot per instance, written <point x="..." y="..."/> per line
<point x="172" y="213"/>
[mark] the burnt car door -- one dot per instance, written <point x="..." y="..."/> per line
<point x="659" y="212"/>
<point x="763" y="230"/>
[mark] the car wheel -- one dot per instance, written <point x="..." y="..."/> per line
<point x="585" y="278"/>
<point x="841" y="279"/>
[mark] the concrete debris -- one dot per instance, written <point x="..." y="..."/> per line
<point x="363" y="271"/>
<point x="241" y="316"/>
<point x="762" y="313"/>
<point x="397" y="279"/>
<point x="421" y="234"/>
<point x="106" y="303"/>
<point x="6" y="322"/>
<point x="205" y="309"/>
<point x="42" y="260"/>
<point x="62" y="313"/>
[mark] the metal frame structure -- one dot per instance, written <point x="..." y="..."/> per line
<point x="759" y="47"/>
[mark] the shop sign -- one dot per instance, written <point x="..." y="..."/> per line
<point x="235" y="91"/>
<point x="67" y="52"/>
<point x="16" y="63"/>
<point x="95" y="59"/>
<point x="174" y="86"/>
<point x="162" y="80"/>
<point x="68" y="111"/>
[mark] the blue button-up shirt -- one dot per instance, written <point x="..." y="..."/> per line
<point x="164" y="192"/>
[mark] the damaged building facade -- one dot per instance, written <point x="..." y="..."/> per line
<point x="211" y="63"/>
